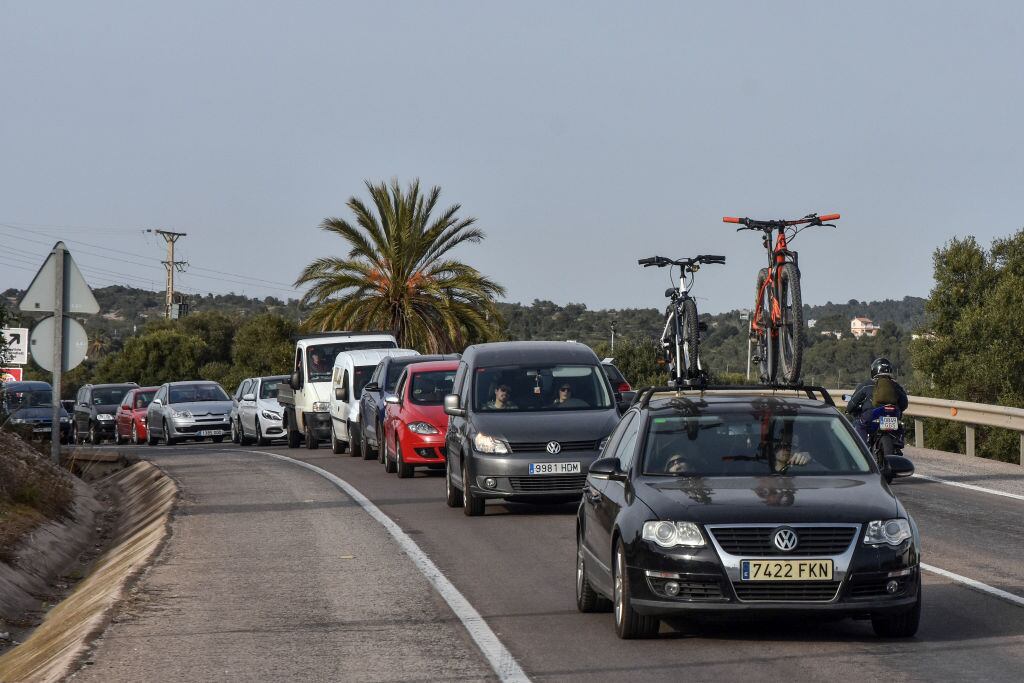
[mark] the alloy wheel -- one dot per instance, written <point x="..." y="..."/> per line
<point x="620" y="570"/>
<point x="135" y="434"/>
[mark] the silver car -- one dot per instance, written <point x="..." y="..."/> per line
<point x="188" y="410"/>
<point x="255" y="412"/>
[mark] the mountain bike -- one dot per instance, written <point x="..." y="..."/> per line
<point x="681" y="336"/>
<point x="777" y="324"/>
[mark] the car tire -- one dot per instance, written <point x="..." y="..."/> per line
<point x="94" y="435"/>
<point x="389" y="465"/>
<point x="364" y="446"/>
<point x="218" y="439"/>
<point x="118" y="439"/>
<point x="337" y="446"/>
<point x="151" y="439"/>
<point x="587" y="599"/>
<point x="902" y="625"/>
<point x="355" y="447"/>
<point x="294" y="437"/>
<point x="312" y="442"/>
<point x="382" y="450"/>
<point x="472" y="504"/>
<point x="260" y="439"/>
<point x="135" y="433"/>
<point x="628" y="623"/>
<point x="235" y="436"/>
<point x="452" y="494"/>
<point x="167" y="435"/>
<point x="405" y="471"/>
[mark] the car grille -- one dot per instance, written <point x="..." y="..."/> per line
<point x="541" y="446"/>
<point x="786" y="591"/>
<point x="818" y="540"/>
<point x="568" y="483"/>
<point x="191" y="429"/>
<point x="691" y="588"/>
<point x="865" y="587"/>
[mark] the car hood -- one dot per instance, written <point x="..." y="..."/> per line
<point x="577" y="425"/>
<point x="200" y="408"/>
<point x="435" y="415"/>
<point x="269" y="404"/>
<point x="109" y="409"/>
<point x="770" y="499"/>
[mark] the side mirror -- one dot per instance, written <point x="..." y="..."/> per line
<point x="452" y="406"/>
<point x="157" y="402"/>
<point x="295" y="381"/>
<point x="846" y="397"/>
<point x="339" y="394"/>
<point x="392" y="400"/>
<point x="607" y="468"/>
<point x="372" y="386"/>
<point x="900" y="466"/>
<point x="249" y="397"/>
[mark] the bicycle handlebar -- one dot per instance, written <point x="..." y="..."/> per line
<point x="767" y="226"/>
<point x="662" y="261"/>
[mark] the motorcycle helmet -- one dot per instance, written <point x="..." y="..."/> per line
<point x="881" y="367"/>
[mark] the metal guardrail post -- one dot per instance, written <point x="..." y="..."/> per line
<point x="919" y="433"/>
<point x="970" y="441"/>
<point x="1021" y="461"/>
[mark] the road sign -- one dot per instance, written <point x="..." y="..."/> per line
<point x="41" y="294"/>
<point x="17" y="345"/>
<point x="76" y="343"/>
<point x="10" y="374"/>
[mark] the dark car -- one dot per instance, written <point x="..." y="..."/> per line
<point x="526" y="421"/>
<point x="623" y="391"/>
<point x="381" y="385"/>
<point x="96" y="410"/>
<point x="30" y="405"/>
<point x="733" y="504"/>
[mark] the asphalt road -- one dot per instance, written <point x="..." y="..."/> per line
<point x="516" y="567"/>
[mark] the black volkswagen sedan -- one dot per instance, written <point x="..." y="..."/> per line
<point x="738" y="503"/>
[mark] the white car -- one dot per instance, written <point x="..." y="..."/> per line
<point x="256" y="414"/>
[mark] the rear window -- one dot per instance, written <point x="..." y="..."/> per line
<point x="613" y="374"/>
<point x="430" y="388"/>
<point x="746" y="444"/>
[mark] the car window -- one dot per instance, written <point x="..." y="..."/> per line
<point x="143" y="398"/>
<point x="269" y="387"/>
<point x="197" y="393"/>
<point x="400" y="384"/>
<point x="108" y="395"/>
<point x="751" y="444"/>
<point x="430" y="387"/>
<point x="616" y="436"/>
<point x="126" y="401"/>
<point x="613" y="373"/>
<point x="626" y="446"/>
<point x="540" y="387"/>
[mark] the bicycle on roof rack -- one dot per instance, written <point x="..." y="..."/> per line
<point x="681" y="336"/>
<point x="777" y="325"/>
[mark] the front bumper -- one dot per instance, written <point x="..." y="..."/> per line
<point x="320" y="424"/>
<point x="513" y="481"/>
<point x="422" y="449"/>
<point x="198" y="429"/>
<point x="105" y="427"/>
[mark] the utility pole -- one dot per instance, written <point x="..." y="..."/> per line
<point x="613" y="336"/>
<point x="171" y="265"/>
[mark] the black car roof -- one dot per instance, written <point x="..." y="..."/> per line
<point x="116" y="384"/>
<point x="409" y="360"/>
<point x="501" y="353"/>
<point x="685" y="403"/>
<point x="27" y="385"/>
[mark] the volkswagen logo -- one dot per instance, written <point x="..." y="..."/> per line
<point x="554" y="448"/>
<point x="785" y="540"/>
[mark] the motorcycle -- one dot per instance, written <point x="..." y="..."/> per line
<point x="885" y="436"/>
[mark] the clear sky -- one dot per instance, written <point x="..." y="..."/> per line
<point x="582" y="135"/>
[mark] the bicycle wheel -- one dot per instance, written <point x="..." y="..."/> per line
<point x="764" y="344"/>
<point x="791" y="327"/>
<point x="670" y="342"/>
<point x="690" y="339"/>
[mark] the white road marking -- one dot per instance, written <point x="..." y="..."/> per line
<point x="976" y="585"/>
<point x="971" y="487"/>
<point x="494" y="651"/>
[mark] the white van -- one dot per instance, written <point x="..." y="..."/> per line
<point x="352" y="370"/>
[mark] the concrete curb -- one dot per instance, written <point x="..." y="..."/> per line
<point x="53" y="648"/>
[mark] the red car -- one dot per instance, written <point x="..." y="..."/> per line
<point x="415" y="424"/>
<point x="130" y="419"/>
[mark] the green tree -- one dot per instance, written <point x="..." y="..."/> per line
<point x="398" y="274"/>
<point x="163" y="355"/>
<point x="263" y="346"/>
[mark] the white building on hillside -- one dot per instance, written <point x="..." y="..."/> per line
<point x="861" y="327"/>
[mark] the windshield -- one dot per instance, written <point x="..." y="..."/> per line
<point x="430" y="388"/>
<point x="143" y="398"/>
<point x="361" y="377"/>
<point x="108" y="397"/>
<point x="745" y="444"/>
<point x="520" y="388"/>
<point x="197" y="393"/>
<point x="320" y="358"/>
<point x="40" y="398"/>
<point x="268" y="388"/>
<point x="395" y="371"/>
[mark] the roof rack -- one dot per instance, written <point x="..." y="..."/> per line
<point x="337" y="333"/>
<point x="644" y="394"/>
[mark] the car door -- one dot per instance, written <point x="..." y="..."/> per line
<point x="457" y="439"/>
<point x="392" y="411"/>
<point x="247" y="408"/>
<point x="368" y="405"/>
<point x="82" y="410"/>
<point x="613" y="495"/>
<point x="596" y="532"/>
<point x="154" y="414"/>
<point x="123" y="421"/>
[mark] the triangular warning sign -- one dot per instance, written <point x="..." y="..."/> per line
<point x="41" y="294"/>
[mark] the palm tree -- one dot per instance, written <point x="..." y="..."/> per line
<point x="398" y="276"/>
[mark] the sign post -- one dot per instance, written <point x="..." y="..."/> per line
<point x="58" y="287"/>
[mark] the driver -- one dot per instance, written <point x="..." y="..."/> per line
<point x="786" y="456"/>
<point x="501" y="399"/>
<point x="317" y="362"/>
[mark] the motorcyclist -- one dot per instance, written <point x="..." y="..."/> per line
<point x="880" y="390"/>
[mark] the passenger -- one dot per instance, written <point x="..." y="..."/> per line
<point x="565" y="399"/>
<point x="501" y="399"/>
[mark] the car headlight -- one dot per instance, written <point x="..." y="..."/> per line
<point x="672" y="534"/>
<point x="891" y="531"/>
<point x="66" y="420"/>
<point x="424" y="428"/>
<point x="104" y="417"/>
<point x="488" y="444"/>
<point x="271" y="415"/>
<point x="321" y="407"/>
<point x="181" y="413"/>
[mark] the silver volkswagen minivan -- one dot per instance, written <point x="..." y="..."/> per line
<point x="526" y="419"/>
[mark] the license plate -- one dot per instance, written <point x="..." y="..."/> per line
<point x="46" y="430"/>
<point x="554" y="468"/>
<point x="888" y="423"/>
<point x="210" y="432"/>
<point x="786" y="570"/>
